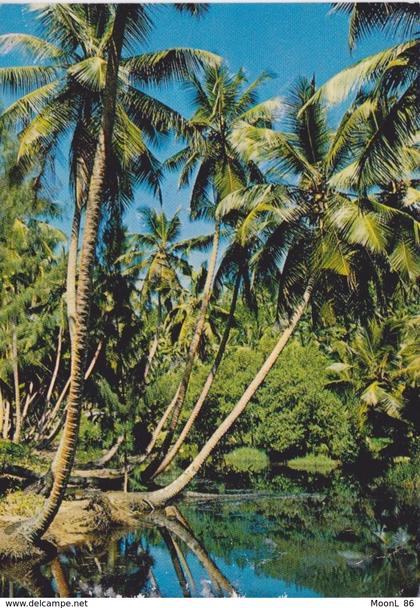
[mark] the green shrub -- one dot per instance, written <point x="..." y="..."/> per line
<point x="10" y="450"/>
<point x="313" y="462"/>
<point x="247" y="460"/>
<point x="20" y="504"/>
<point x="405" y="475"/>
<point x="90" y="434"/>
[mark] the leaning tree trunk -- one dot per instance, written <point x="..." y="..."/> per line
<point x="18" y="407"/>
<point x="56" y="365"/>
<point x="207" y="386"/>
<point x="72" y="270"/>
<point x="2" y="412"/>
<point x="45" y="426"/>
<point x="176" y="404"/>
<point x="63" y="462"/>
<point x="163" y="495"/>
<point x="6" y="422"/>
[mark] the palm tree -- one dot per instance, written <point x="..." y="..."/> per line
<point x="397" y="17"/>
<point x="27" y="271"/>
<point x="157" y="256"/>
<point x="330" y="230"/>
<point x="234" y="266"/>
<point x="387" y="97"/>
<point x="223" y="101"/>
<point x="128" y="21"/>
<point x="373" y="362"/>
<point x="66" y="95"/>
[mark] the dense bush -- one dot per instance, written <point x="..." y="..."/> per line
<point x="292" y="413"/>
<point x="247" y="460"/>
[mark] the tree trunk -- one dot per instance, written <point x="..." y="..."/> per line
<point x="110" y="454"/>
<point x="56" y="366"/>
<point x="207" y="386"/>
<point x="180" y="575"/>
<point x="176" y="404"/>
<point x="72" y="258"/>
<point x="6" y="422"/>
<point x="151" y="356"/>
<point x="29" y="399"/>
<point x="163" y="495"/>
<point x="186" y="536"/>
<point x="15" y="364"/>
<point x="64" y="459"/>
<point x="60" y="578"/>
<point x="2" y="412"/>
<point x="60" y="400"/>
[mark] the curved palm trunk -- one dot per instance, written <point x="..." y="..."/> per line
<point x="2" y="412"/>
<point x="186" y="536"/>
<point x="207" y="386"/>
<point x="6" y="422"/>
<point x="60" y="578"/>
<point x="47" y="425"/>
<point x="176" y="404"/>
<point x="18" y="407"/>
<point x="56" y="366"/>
<point x="72" y="270"/>
<point x="163" y="495"/>
<point x="169" y="542"/>
<point x="111" y="452"/>
<point x="185" y="567"/>
<point x="64" y="459"/>
<point x="150" y="357"/>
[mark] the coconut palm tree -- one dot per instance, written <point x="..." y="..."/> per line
<point x="28" y="265"/>
<point x="398" y="18"/>
<point x="65" y="95"/>
<point x="157" y="256"/>
<point x="375" y="364"/>
<point x="128" y="22"/>
<point x="387" y="100"/>
<point x="222" y="101"/>
<point x="234" y="268"/>
<point x="330" y="230"/>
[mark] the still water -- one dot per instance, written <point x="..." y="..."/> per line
<point x="311" y="539"/>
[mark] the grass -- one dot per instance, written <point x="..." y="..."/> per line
<point x="313" y="462"/>
<point x="21" y="455"/>
<point x="247" y="460"/>
<point x="19" y="504"/>
<point x="405" y="474"/>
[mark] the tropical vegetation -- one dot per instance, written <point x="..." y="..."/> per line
<point x="128" y="363"/>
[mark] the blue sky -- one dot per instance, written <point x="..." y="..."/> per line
<point x="287" y="39"/>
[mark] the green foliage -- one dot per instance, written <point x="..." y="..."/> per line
<point x="20" y="504"/>
<point x="23" y="455"/>
<point x="297" y="414"/>
<point x="313" y="462"/>
<point x="13" y="451"/>
<point x="405" y="475"/>
<point x="90" y="434"/>
<point x="247" y="460"/>
<point x="293" y="412"/>
<point x="294" y="199"/>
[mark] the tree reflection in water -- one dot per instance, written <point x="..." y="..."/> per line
<point x="335" y="544"/>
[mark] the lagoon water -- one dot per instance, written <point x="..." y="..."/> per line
<point x="307" y="537"/>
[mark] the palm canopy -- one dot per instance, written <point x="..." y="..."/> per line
<point x="378" y="362"/>
<point x="364" y="17"/>
<point x="383" y="120"/>
<point x="63" y="91"/>
<point x="307" y="224"/>
<point x="222" y="101"/>
<point x="180" y="322"/>
<point x="158" y="256"/>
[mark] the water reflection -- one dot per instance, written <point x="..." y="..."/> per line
<point x="335" y="543"/>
